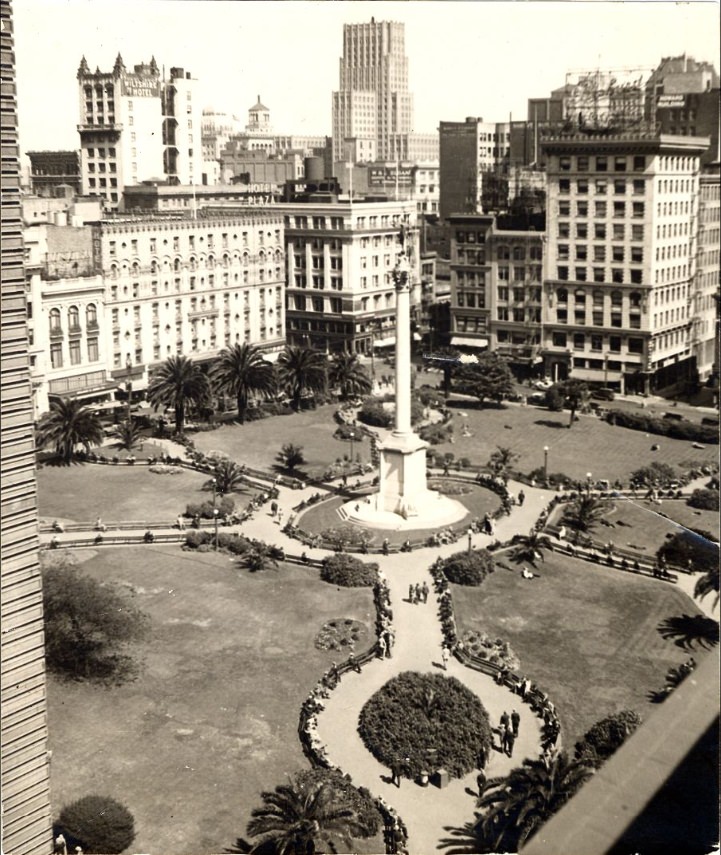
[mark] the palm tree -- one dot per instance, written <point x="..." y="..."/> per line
<point x="177" y="383"/>
<point x="68" y="424"/>
<point x="502" y="459"/>
<point x="708" y="584"/>
<point x="240" y="371"/>
<point x="584" y="514"/>
<point x="228" y="476"/>
<point x="127" y="434"/>
<point x="514" y="807"/>
<point x="296" y="818"/>
<point x="301" y="369"/>
<point x="530" y="547"/>
<point x="347" y="374"/>
<point x="259" y="558"/>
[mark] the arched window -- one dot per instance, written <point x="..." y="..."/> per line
<point x="55" y="320"/>
<point x="113" y="271"/>
<point x="597" y="298"/>
<point x="153" y="266"/>
<point x="91" y="315"/>
<point x="73" y="318"/>
<point x="580" y="296"/>
<point x="635" y="299"/>
<point x="616" y="298"/>
<point x="176" y="265"/>
<point x="246" y="259"/>
<point x="211" y="262"/>
<point x="519" y="253"/>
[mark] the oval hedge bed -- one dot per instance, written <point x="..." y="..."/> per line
<point x="413" y="713"/>
<point x="468" y="568"/>
<point x="348" y="571"/>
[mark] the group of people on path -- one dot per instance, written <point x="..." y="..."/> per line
<point x="418" y="593"/>
<point x="508" y="731"/>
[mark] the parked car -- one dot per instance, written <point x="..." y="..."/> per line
<point x="543" y="383"/>
<point x="537" y="398"/>
<point x="603" y="393"/>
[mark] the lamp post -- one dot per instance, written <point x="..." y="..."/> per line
<point x="545" y="463"/>
<point x="129" y="382"/>
<point x="351" y="437"/>
<point x="589" y="475"/>
<point x="470" y="540"/>
<point x="215" y="519"/>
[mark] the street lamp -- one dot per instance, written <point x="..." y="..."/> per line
<point x="589" y="475"/>
<point x="351" y="437"/>
<point x="215" y="519"/>
<point x="470" y="540"/>
<point x="129" y="382"/>
<point x="545" y="463"/>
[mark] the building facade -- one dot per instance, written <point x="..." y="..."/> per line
<point x="136" y="126"/>
<point x="340" y="259"/>
<point x="621" y="258"/>
<point x="704" y="301"/>
<point x="112" y="301"/>
<point x="53" y="170"/>
<point x="24" y="777"/>
<point x="474" y="167"/>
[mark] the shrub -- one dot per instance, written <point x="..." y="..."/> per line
<point x="345" y="432"/>
<point x="348" y="571"/>
<point x="704" y="499"/>
<point x="554" y="399"/>
<point x="606" y="736"/>
<point x="346" y="536"/>
<point x="656" y="474"/>
<point x="436" y="433"/>
<point x="374" y="413"/>
<point x="664" y="427"/>
<point x="414" y="712"/>
<point x="358" y="799"/>
<point x="100" y="823"/>
<point x="554" y="478"/>
<point x="226" y="505"/>
<point x="494" y="650"/>
<point x="196" y="538"/>
<point x="340" y="633"/>
<point x="429" y="397"/>
<point x="290" y="456"/>
<point x="684" y="550"/>
<point x="468" y="568"/>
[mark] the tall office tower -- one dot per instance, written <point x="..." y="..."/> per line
<point x="26" y="824"/>
<point x="373" y="101"/>
<point x="136" y="126"/>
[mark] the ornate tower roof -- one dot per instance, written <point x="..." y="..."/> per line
<point x="83" y="68"/>
<point x="119" y="66"/>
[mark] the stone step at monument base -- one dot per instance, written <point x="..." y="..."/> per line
<point x="434" y="511"/>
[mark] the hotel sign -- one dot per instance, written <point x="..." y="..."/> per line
<point x="671" y="101"/>
<point x="381" y="175"/>
<point x="141" y="87"/>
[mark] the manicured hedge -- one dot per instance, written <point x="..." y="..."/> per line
<point x="468" y="568"/>
<point x="374" y="413"/>
<point x="99" y="823"/>
<point x="225" y="505"/>
<point x="606" y="736"/>
<point x="705" y="500"/>
<point x="348" y="571"/>
<point x="664" y="427"/>
<point x="437" y="433"/>
<point x="413" y="713"/>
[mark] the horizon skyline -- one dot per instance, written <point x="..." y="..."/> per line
<point x="606" y="32"/>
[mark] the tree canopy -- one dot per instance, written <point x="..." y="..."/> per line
<point x="177" y="383"/>
<point x="240" y="371"/>
<point x="489" y="378"/>
<point x="68" y="424"/>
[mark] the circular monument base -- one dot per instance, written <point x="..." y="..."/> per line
<point x="432" y="510"/>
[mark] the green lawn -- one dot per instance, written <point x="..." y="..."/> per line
<point x="587" y="634"/>
<point x="257" y="443"/>
<point x="318" y="518"/>
<point x="213" y="718"/>
<point x="83" y="492"/>
<point x="638" y="525"/>
<point x="591" y="445"/>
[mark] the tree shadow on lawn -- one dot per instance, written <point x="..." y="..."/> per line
<point x="687" y="631"/>
<point x="550" y="423"/>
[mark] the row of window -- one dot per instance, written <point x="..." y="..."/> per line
<point x="598" y="319"/>
<point x="611" y="343"/>
<point x="601" y="163"/>
<point x="601" y="231"/>
<point x="618" y="252"/>
<point x="519" y="316"/>
<point x="225" y="238"/>
<point x="74" y="352"/>
<point x="601" y="185"/>
<point x="598" y="274"/>
<point x="73" y="314"/>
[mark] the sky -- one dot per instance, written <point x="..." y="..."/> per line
<point x="472" y="58"/>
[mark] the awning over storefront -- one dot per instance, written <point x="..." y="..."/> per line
<point x="596" y="375"/>
<point x="463" y="341"/>
<point x="385" y="342"/>
<point x="417" y="337"/>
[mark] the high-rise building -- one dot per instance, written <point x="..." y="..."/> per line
<point x="704" y="304"/>
<point x="26" y="821"/>
<point x="136" y="126"/>
<point x="373" y="102"/>
<point x="621" y="258"/>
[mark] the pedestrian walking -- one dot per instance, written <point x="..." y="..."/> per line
<point x="418" y="593"/>
<point x="411" y="592"/>
<point x="424" y="592"/>
<point x="444" y="657"/>
<point x="515" y="722"/>
<point x="502" y="730"/>
<point x="510" y="740"/>
<point x="382" y="647"/>
<point x="480" y="781"/>
<point x="482" y="758"/>
<point x="280" y="517"/>
<point x="521" y="498"/>
<point x="396" y="773"/>
<point x="505" y="720"/>
<point x="353" y="662"/>
<point x="273" y="508"/>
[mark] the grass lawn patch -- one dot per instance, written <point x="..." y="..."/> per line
<point x="590" y="445"/>
<point x="637" y="525"/>
<point x="586" y="634"/>
<point x="256" y="444"/>
<point x="84" y="492"/>
<point x="324" y="515"/>
<point x="213" y="718"/>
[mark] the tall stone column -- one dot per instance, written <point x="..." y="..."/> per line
<point x="401" y="276"/>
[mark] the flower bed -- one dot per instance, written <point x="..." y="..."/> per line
<point x="415" y="712"/>
<point x="450" y="488"/>
<point x="340" y="633"/>
<point x="496" y="651"/>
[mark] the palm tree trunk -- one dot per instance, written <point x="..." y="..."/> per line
<point x="179" y="417"/>
<point x="242" y="406"/>
<point x="573" y="415"/>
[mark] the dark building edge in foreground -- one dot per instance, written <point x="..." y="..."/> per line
<point x="26" y="822"/>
